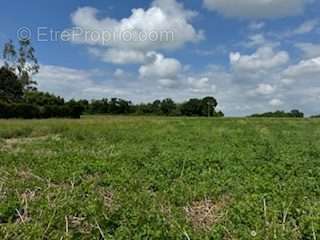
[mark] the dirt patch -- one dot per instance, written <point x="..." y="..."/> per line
<point x="165" y="209"/>
<point x="14" y="141"/>
<point x="204" y="214"/>
<point x="11" y="144"/>
<point x="80" y="224"/>
<point x="26" y="175"/>
<point x="108" y="198"/>
<point x="22" y="215"/>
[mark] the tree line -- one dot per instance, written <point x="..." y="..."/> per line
<point x="281" y="114"/>
<point x="36" y="104"/>
<point x="20" y="98"/>
<point x="205" y="107"/>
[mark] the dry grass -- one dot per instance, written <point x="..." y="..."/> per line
<point x="26" y="175"/>
<point x="204" y="214"/>
<point x="12" y="144"/>
<point x="23" y="215"/>
<point x="123" y="178"/>
<point x="108" y="198"/>
<point x="81" y="224"/>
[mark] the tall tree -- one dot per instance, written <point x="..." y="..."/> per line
<point x="27" y="64"/>
<point x="208" y="105"/>
<point x="22" y="62"/>
<point x="168" y="106"/>
<point x="9" y="56"/>
<point x="10" y="88"/>
<point x="192" y="107"/>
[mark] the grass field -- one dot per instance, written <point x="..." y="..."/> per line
<point x="160" y="178"/>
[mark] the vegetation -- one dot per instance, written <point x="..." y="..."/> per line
<point x="281" y="114"/>
<point x="10" y="88"/>
<point x="29" y="111"/>
<point x="19" y="97"/>
<point x="22" y="62"/>
<point x="167" y="107"/>
<point x="149" y="178"/>
<point x="159" y="178"/>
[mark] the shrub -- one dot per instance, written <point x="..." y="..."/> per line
<point x="10" y="87"/>
<point x="30" y="111"/>
<point x="74" y="109"/>
<point x="19" y="110"/>
<point x="42" y="98"/>
<point x="26" y="111"/>
<point x="5" y="110"/>
<point x="281" y="114"/>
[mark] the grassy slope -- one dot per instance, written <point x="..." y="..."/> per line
<point x="160" y="178"/>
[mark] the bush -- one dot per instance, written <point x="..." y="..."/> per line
<point x="10" y="87"/>
<point x="30" y="111"/>
<point x="21" y="110"/>
<point x="5" y="110"/>
<point x="281" y="114"/>
<point x="74" y="109"/>
<point x="42" y="98"/>
<point x="26" y="111"/>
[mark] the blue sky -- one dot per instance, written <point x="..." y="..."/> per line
<point x="252" y="55"/>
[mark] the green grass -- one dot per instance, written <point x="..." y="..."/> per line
<point x="160" y="178"/>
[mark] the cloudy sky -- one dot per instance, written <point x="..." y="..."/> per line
<point x="252" y="55"/>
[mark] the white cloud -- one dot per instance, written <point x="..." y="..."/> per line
<point x="160" y="67"/>
<point x="265" y="58"/>
<point x="61" y="79"/>
<point x="231" y="91"/>
<point x="287" y="81"/>
<point x="306" y="27"/>
<point x="118" y="56"/>
<point x="219" y="50"/>
<point x="165" y="25"/>
<point x="168" y="83"/>
<point x="265" y="89"/>
<point x="118" y="73"/>
<point x="258" y="40"/>
<point x="201" y="85"/>
<point x="257" y="8"/>
<point x="304" y="70"/>
<point x="73" y="83"/>
<point x="255" y="26"/>
<point x="276" y="102"/>
<point x="309" y="50"/>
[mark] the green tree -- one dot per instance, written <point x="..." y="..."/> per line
<point x="99" y="106"/>
<point x="119" y="106"/>
<point x="208" y="105"/>
<point x="156" y="107"/>
<point x="200" y="107"/>
<point x="22" y="62"/>
<point x="74" y="109"/>
<point x="42" y="99"/>
<point x="281" y="114"/>
<point x="296" y="113"/>
<point x="9" y="56"/>
<point x="192" y="107"/>
<point x="10" y="88"/>
<point x="168" y="106"/>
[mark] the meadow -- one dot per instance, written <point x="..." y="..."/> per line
<point x="160" y="178"/>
